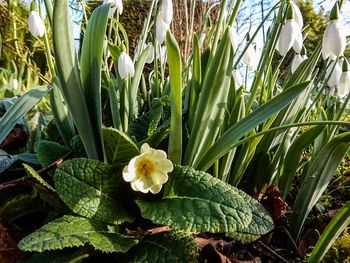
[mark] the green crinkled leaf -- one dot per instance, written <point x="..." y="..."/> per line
<point x="165" y="247"/>
<point x="197" y="202"/>
<point x="31" y="171"/>
<point x="58" y="256"/>
<point x="74" y="231"/>
<point x="78" y="147"/>
<point x="49" y="152"/>
<point x="119" y="148"/>
<point x="87" y="187"/>
<point x="146" y="125"/>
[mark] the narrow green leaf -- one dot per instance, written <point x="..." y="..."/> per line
<point x="119" y="147"/>
<point x="292" y="159"/>
<point x="74" y="231"/>
<point x="330" y="234"/>
<point x="175" y="135"/>
<point x="88" y="188"/>
<point x="258" y="116"/>
<point x="69" y="75"/>
<point x="164" y="248"/>
<point x="317" y="179"/>
<point x="27" y="101"/>
<point x="90" y="69"/>
<point x="197" y="202"/>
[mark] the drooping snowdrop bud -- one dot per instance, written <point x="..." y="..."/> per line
<point x="334" y="40"/>
<point x="36" y="25"/>
<point x="163" y="56"/>
<point x="125" y="66"/>
<point x="150" y="57"/>
<point x="344" y="83"/>
<point x="334" y="78"/>
<point x="233" y="39"/>
<point x="166" y="11"/>
<point x="249" y="56"/>
<point x="297" y="60"/>
<point x="237" y="78"/>
<point x="297" y="14"/>
<point x="116" y="5"/>
<point x="289" y="33"/>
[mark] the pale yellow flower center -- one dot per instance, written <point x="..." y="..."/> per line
<point x="145" y="167"/>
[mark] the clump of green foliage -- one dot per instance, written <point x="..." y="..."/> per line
<point x="340" y="250"/>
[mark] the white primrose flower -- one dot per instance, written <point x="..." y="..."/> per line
<point x="297" y="60"/>
<point x="125" y="66"/>
<point x="148" y="171"/>
<point x="289" y="33"/>
<point x="36" y="25"/>
<point x="334" y="78"/>
<point x="297" y="14"/>
<point x="237" y="78"/>
<point x="116" y="5"/>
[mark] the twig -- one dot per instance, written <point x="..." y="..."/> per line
<point x="272" y="252"/>
<point x="55" y="164"/>
<point x="148" y="232"/>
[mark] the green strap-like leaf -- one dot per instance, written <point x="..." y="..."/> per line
<point x="90" y="68"/>
<point x="27" y="101"/>
<point x="330" y="234"/>
<point x="164" y="248"/>
<point x="69" y="75"/>
<point x="195" y="201"/>
<point x="73" y="231"/>
<point x="175" y="136"/>
<point x="119" y="147"/>
<point x="87" y="187"/>
<point x="317" y="179"/>
<point x="258" y="116"/>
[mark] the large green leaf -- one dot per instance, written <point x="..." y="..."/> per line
<point x="165" y="247"/>
<point x="225" y="143"/>
<point x="175" y="136"/>
<point x="330" y="234"/>
<point x="195" y="201"/>
<point x="87" y="187"/>
<point x="49" y="152"/>
<point x="31" y="172"/>
<point x="72" y="231"/>
<point x="317" y="179"/>
<point x="119" y="148"/>
<point x="69" y="75"/>
<point x="90" y="68"/>
<point x="27" y="101"/>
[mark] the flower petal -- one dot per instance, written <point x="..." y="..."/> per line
<point x="128" y="176"/>
<point x="159" y="177"/>
<point x="155" y="189"/>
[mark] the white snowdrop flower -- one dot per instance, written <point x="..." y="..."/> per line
<point x="298" y="42"/>
<point x="36" y="25"/>
<point x="297" y="14"/>
<point x="249" y="57"/>
<point x="297" y="60"/>
<point x="166" y="11"/>
<point x="161" y="29"/>
<point x="237" y="78"/>
<point x="14" y="84"/>
<point x="334" y="78"/>
<point x="116" y="5"/>
<point x="162" y="54"/>
<point x="334" y="41"/>
<point x="125" y="66"/>
<point x="150" y="57"/>
<point x="289" y="33"/>
<point x="233" y="39"/>
<point x="148" y="171"/>
<point x="344" y="83"/>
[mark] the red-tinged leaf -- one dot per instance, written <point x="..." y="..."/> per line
<point x="272" y="200"/>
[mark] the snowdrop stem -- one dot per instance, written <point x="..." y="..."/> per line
<point x="48" y="55"/>
<point x="334" y="12"/>
<point x="219" y="24"/>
